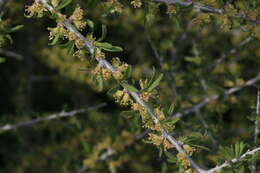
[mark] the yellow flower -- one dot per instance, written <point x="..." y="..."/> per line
<point x="136" y="3"/>
<point x="55" y="3"/>
<point x="36" y="9"/>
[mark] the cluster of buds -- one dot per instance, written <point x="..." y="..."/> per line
<point x="121" y="67"/>
<point x="181" y="157"/>
<point x="102" y="72"/>
<point x="145" y="96"/>
<point x="160" y="114"/>
<point x="36" y="9"/>
<point x="71" y="36"/>
<point x="99" y="54"/>
<point x="123" y="98"/>
<point x="184" y="162"/>
<point x="146" y="121"/>
<point x="59" y="31"/>
<point x="77" y="19"/>
<point x="159" y="140"/>
<point x="79" y="43"/>
<point x="136" y="3"/>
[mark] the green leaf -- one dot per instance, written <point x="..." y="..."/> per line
<point x="16" y="28"/>
<point x="2" y="60"/>
<point x="152" y="78"/>
<point x="170" y="157"/>
<point x="109" y="47"/>
<point x="155" y="83"/>
<point x="128" y="72"/>
<point x="200" y="146"/>
<point x="64" y="4"/>
<point x="171" y="121"/>
<point x="112" y="91"/>
<point x="104" y="33"/>
<point x="129" y="87"/>
<point x="128" y="114"/>
<point x="70" y="48"/>
<point x="90" y="23"/>
<point x="171" y="108"/>
<point x="100" y="83"/>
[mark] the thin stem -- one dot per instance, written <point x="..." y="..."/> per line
<point x="201" y="7"/>
<point x="256" y="123"/>
<point x="161" y="61"/>
<point x="235" y="160"/>
<point x="205" y="125"/>
<point x="209" y="99"/>
<point x="134" y="95"/>
<point x="50" y="117"/>
<point x="257" y="114"/>
<point x="232" y="51"/>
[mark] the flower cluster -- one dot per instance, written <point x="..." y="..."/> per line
<point x="159" y="140"/>
<point x="36" y="9"/>
<point x="77" y="19"/>
<point x="181" y="157"/>
<point x="101" y="72"/>
<point x="121" y="67"/>
<point x="58" y="31"/>
<point x="123" y="98"/>
<point x="136" y="3"/>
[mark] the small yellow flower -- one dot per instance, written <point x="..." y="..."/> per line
<point x="79" y="43"/>
<point x="77" y="14"/>
<point x="136" y="3"/>
<point x="55" y="3"/>
<point x="188" y="149"/>
<point x="59" y="30"/>
<point x="184" y="162"/>
<point x="118" y="75"/>
<point x="36" y="9"/>
<point x="106" y="74"/>
<point x="70" y="35"/>
<point x="145" y="96"/>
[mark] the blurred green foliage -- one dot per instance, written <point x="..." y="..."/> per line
<point x="200" y="54"/>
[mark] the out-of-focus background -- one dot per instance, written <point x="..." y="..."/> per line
<point x="198" y="59"/>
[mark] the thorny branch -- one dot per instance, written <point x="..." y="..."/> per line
<point x="257" y="122"/>
<point x="201" y="7"/>
<point x="209" y="99"/>
<point x="135" y="95"/>
<point x="235" y="160"/>
<point x="50" y="117"/>
<point x="161" y="61"/>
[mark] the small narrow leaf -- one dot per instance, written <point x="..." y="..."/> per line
<point x="16" y="28"/>
<point x="64" y="4"/>
<point x="155" y="83"/>
<point x="104" y="33"/>
<point x="90" y="23"/>
<point x="129" y="87"/>
<point x="108" y="47"/>
<point x="171" y="108"/>
<point x="100" y="83"/>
